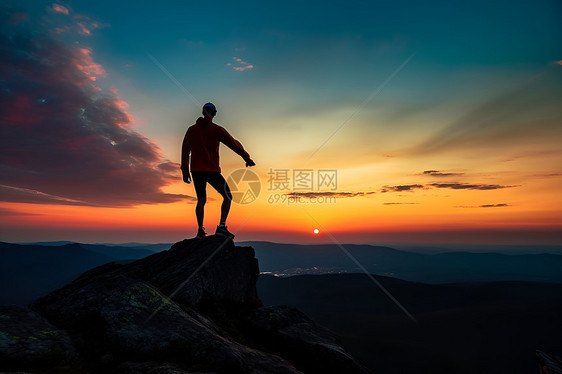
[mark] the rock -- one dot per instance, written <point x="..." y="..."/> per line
<point x="28" y="341"/>
<point x="202" y="271"/>
<point x="312" y="348"/>
<point x="131" y="320"/>
<point x="151" y="368"/>
<point x="192" y="308"/>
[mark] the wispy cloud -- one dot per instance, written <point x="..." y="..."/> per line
<point x="559" y="62"/>
<point x="7" y="212"/>
<point x="69" y="22"/>
<point x="328" y="194"/>
<point x="484" y="206"/>
<point x="438" y="173"/>
<point x="547" y="175"/>
<point x="59" y="8"/>
<point x="239" y="64"/>
<point x="401" y="188"/>
<point x="86" y="64"/>
<point x="453" y="186"/>
<point x="468" y="186"/>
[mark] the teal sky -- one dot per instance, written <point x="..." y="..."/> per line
<point x="312" y="57"/>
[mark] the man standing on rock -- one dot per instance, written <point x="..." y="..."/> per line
<point x="202" y="141"/>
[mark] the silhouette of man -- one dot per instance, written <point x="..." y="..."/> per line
<point x="202" y="141"/>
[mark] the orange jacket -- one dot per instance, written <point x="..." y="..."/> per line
<point x="202" y="140"/>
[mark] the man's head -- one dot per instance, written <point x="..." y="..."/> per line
<point x="209" y="110"/>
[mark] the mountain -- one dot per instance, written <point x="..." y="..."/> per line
<point x="116" y="318"/>
<point x="30" y="271"/>
<point x="295" y="259"/>
<point x="151" y="247"/>
<point x="125" y="251"/>
<point x="49" y="244"/>
<point x="119" y="253"/>
<point x="471" y="328"/>
<point x="48" y="270"/>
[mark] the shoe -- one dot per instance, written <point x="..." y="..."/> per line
<point x="223" y="231"/>
<point x="201" y="233"/>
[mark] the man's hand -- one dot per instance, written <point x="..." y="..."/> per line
<point x="250" y="162"/>
<point x="186" y="176"/>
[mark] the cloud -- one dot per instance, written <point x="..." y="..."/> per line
<point x="242" y="68"/>
<point x="454" y="186"/>
<point x="7" y="212"/>
<point x="239" y="64"/>
<point x="400" y="188"/>
<point x="559" y="62"/>
<point x="468" y="186"/>
<point x="64" y="140"/>
<point x="328" y="194"/>
<point x="60" y="9"/>
<point x="485" y="206"/>
<point x="437" y="173"/>
<point x="87" y="65"/>
<point x="63" y="21"/>
<point x="549" y="175"/>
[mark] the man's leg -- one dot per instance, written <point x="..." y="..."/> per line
<point x="200" y="210"/>
<point x="219" y="184"/>
<point x="200" y="184"/>
<point x="225" y="208"/>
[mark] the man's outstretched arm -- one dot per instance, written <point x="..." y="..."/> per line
<point x="235" y="145"/>
<point x="185" y="150"/>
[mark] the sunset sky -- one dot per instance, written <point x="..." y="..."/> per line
<point x="441" y="120"/>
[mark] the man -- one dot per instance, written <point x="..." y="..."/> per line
<point x="202" y="141"/>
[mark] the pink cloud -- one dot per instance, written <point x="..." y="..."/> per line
<point x="122" y="104"/>
<point x="60" y="9"/>
<point x="86" y="64"/>
<point x="83" y="29"/>
<point x="241" y="64"/>
<point x="559" y="62"/>
<point x="77" y="24"/>
<point x="242" y="68"/>
<point x="65" y="140"/>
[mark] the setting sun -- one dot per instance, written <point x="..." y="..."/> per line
<point x="316" y="231"/>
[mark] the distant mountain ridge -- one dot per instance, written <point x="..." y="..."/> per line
<point x="30" y="271"/>
<point x="33" y="270"/>
<point x="295" y="259"/>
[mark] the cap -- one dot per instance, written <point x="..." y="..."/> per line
<point x="209" y="109"/>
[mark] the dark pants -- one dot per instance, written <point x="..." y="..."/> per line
<point x="215" y="179"/>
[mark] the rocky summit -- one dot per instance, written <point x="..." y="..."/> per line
<point x="191" y="309"/>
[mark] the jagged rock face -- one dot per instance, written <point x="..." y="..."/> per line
<point x="193" y="308"/>
<point x="128" y="318"/>
<point x="151" y="368"/>
<point x="26" y="337"/>
<point x="290" y="333"/>
<point x="210" y="270"/>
